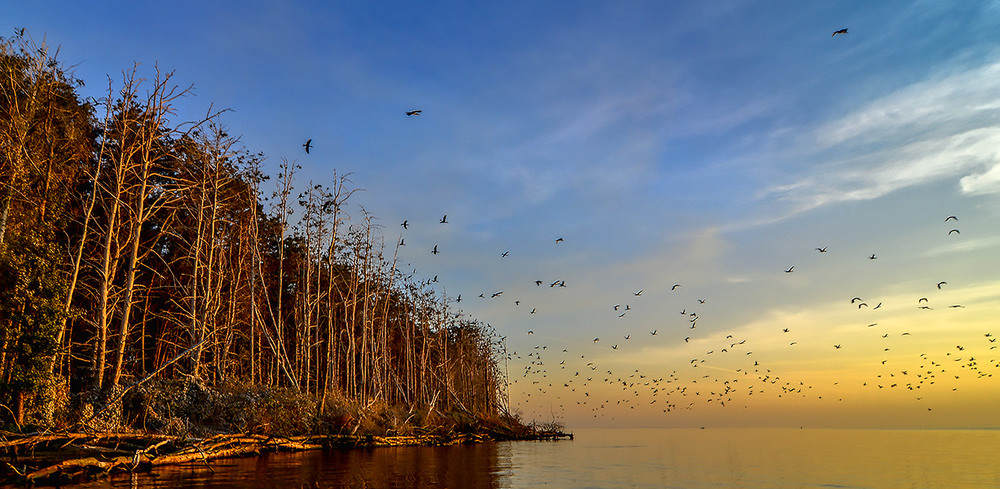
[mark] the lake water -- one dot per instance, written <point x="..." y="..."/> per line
<point x="628" y="458"/>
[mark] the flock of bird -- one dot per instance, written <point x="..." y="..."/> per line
<point x="722" y="368"/>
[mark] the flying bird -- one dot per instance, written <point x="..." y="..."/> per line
<point x="413" y="112"/>
<point x="435" y="250"/>
<point x="505" y="253"/>
<point x="941" y="283"/>
<point x="789" y="270"/>
<point x="638" y="293"/>
<point x="949" y="218"/>
<point x="954" y="231"/>
<point x="405" y="224"/>
<point x="675" y="286"/>
<point x="821" y="250"/>
<point x="873" y="257"/>
<point x="444" y="220"/>
<point x="559" y="240"/>
<point x="840" y="31"/>
<point x="307" y="145"/>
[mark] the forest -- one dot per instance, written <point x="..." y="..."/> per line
<point x="152" y="276"/>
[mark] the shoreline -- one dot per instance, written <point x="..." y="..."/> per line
<point x="54" y="459"/>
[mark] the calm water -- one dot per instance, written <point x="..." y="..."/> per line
<point x="633" y="458"/>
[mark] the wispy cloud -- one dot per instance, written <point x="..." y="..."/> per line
<point x="925" y="132"/>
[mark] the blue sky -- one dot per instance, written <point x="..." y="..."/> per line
<point x="713" y="145"/>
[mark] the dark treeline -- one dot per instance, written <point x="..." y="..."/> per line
<point x="133" y="246"/>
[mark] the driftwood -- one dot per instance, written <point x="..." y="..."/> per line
<point x="109" y="453"/>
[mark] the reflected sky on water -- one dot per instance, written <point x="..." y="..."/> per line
<point x="633" y="458"/>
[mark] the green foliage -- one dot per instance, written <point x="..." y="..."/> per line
<point x="31" y="294"/>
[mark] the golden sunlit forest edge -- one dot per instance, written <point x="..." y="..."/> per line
<point x="151" y="295"/>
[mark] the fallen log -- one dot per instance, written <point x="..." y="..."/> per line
<point x="103" y="453"/>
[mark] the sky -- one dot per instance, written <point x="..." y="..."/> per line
<point x="702" y="153"/>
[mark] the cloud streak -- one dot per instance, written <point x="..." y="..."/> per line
<point x="922" y="133"/>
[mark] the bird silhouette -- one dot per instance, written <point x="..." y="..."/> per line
<point x="675" y="286"/>
<point x="413" y="112"/>
<point x="939" y="284"/>
<point x="307" y="145"/>
<point x="638" y="293"/>
<point x="444" y="220"/>
<point x="954" y="231"/>
<point x="559" y="240"/>
<point x="840" y="31"/>
<point x="950" y="218"/>
<point x="821" y="250"/>
<point x="789" y="270"/>
<point x="872" y="257"/>
<point x="435" y="250"/>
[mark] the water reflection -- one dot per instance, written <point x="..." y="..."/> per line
<point x="628" y="458"/>
<point x="459" y="466"/>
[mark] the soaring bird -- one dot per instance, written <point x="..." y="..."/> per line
<point x="307" y="145"/>
<point x="435" y="250"/>
<point x="559" y="240"/>
<point x="505" y="253"/>
<point x="839" y="31"/>
<point x="405" y="224"/>
<point x="444" y="220"/>
<point x="821" y="250"/>
<point x="538" y="283"/>
<point x="413" y="112"/>
<point x="789" y="270"/>
<point x="675" y="286"/>
<point x="653" y="332"/>
<point x="638" y="293"/>
<point x="949" y="218"/>
<point x="872" y="257"/>
<point x="941" y="283"/>
<point x="954" y="231"/>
